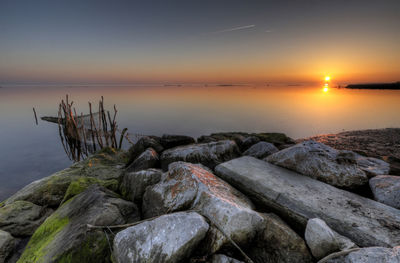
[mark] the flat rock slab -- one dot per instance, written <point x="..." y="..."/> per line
<point x="299" y="198"/>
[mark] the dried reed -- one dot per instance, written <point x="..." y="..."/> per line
<point x="80" y="138"/>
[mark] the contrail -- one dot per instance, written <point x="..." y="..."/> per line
<point x="233" y="29"/>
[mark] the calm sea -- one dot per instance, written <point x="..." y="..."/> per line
<point x="29" y="152"/>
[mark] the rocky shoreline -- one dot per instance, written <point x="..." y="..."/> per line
<point x="223" y="198"/>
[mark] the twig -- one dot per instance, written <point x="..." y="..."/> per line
<point x="338" y="254"/>
<point x="34" y="111"/>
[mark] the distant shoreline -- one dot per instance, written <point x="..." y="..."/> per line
<point x="391" y="86"/>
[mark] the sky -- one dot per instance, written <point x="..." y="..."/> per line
<point x="56" y="41"/>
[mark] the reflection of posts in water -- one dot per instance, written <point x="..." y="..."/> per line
<point x="78" y="139"/>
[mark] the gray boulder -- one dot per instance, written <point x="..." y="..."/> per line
<point x="7" y="245"/>
<point x="208" y="154"/>
<point x="170" y="238"/>
<point x="321" y="162"/>
<point x="261" y="150"/>
<point x="371" y="255"/>
<point x="372" y="166"/>
<point x="190" y="186"/>
<point x="22" y="218"/>
<point x="386" y="189"/>
<point x="219" y="258"/>
<point x="277" y="242"/>
<point x="249" y="141"/>
<point x="170" y="141"/>
<point x="297" y="198"/>
<point x="142" y="144"/>
<point x="320" y="238"/>
<point x="148" y="159"/>
<point x="65" y="237"/>
<point x="134" y="184"/>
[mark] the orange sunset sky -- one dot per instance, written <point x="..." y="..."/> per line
<point x="199" y="41"/>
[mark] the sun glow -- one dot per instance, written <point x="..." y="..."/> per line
<point x="327" y="78"/>
<point x="325" y="89"/>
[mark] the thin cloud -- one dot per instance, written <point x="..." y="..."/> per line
<point x="233" y="29"/>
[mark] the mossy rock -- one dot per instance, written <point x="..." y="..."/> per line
<point x="107" y="164"/>
<point x="78" y="186"/>
<point x="22" y="218"/>
<point x="65" y="237"/>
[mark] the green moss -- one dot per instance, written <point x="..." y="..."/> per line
<point x="43" y="236"/>
<point x="78" y="186"/>
<point x="95" y="248"/>
<point x="2" y="203"/>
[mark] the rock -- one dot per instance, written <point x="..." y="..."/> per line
<point x="394" y="163"/>
<point x="321" y="162"/>
<point x="134" y="184"/>
<point x="170" y="141"/>
<point x="372" y="166"/>
<point x="249" y="141"/>
<point x="277" y="242"/>
<point x="65" y="237"/>
<point x="219" y="258"/>
<point x="169" y="238"/>
<point x="208" y="154"/>
<point x="261" y="150"/>
<point x="82" y="183"/>
<point x="190" y="186"/>
<point x="143" y="144"/>
<point x="344" y="242"/>
<point x="7" y="245"/>
<point x="280" y="140"/>
<point x="386" y="189"/>
<point x="106" y="164"/>
<point x="21" y="218"/>
<point x="320" y="238"/>
<point x="297" y="198"/>
<point x="148" y="159"/>
<point x="371" y="255"/>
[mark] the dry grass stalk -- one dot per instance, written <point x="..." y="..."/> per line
<point x="78" y="138"/>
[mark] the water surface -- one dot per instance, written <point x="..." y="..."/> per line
<point x="29" y="152"/>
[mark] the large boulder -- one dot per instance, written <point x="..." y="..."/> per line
<point x="297" y="198"/>
<point x="142" y="144"/>
<point x="147" y="159"/>
<point x="65" y="237"/>
<point x="190" y="186"/>
<point x="320" y="238"/>
<point x="169" y="141"/>
<point x="277" y="242"/>
<point x="22" y="218"/>
<point x="386" y="189"/>
<point x="321" y="162"/>
<point x="208" y="154"/>
<point x="170" y="238"/>
<point x="220" y="258"/>
<point x="134" y="184"/>
<point x="249" y="141"/>
<point x="106" y="164"/>
<point x="7" y="245"/>
<point x="371" y="255"/>
<point x="261" y="150"/>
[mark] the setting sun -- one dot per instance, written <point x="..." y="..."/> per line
<point x="327" y="78"/>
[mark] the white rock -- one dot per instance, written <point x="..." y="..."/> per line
<point x="170" y="238"/>
<point x="320" y="238"/>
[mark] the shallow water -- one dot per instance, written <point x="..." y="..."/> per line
<point x="29" y="152"/>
